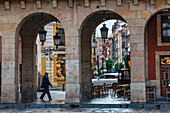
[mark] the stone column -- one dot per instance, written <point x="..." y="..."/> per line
<point x="9" y="87"/>
<point x="137" y="27"/>
<point x="86" y="73"/>
<point x="29" y="78"/>
<point x="73" y="78"/>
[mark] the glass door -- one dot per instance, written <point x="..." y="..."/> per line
<point x="165" y="72"/>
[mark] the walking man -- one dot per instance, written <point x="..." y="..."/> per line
<point x="45" y="87"/>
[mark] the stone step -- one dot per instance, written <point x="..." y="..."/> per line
<point x="45" y="105"/>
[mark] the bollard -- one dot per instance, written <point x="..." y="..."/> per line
<point x="63" y="89"/>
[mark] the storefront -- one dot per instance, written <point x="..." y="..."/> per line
<point x="60" y="70"/>
<point x="158" y="52"/>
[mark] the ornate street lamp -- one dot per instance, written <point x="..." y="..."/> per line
<point x="42" y="35"/>
<point x="104" y="32"/>
<point x="102" y="62"/>
<point x="57" y="38"/>
<point x="42" y="32"/>
<point x="107" y="65"/>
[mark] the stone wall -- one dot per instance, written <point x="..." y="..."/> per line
<point x="73" y="16"/>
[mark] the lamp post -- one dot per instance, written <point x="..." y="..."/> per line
<point x="107" y="65"/>
<point x="42" y="32"/>
<point x="102" y="62"/>
<point x="57" y="38"/>
<point x="104" y="33"/>
<point x="49" y="57"/>
<point x="98" y="62"/>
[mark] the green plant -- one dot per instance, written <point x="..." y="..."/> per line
<point x="125" y="58"/>
<point x="118" y="66"/>
<point x="109" y="63"/>
<point x="95" y="74"/>
<point x="101" y="69"/>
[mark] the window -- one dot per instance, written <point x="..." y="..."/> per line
<point x="113" y="76"/>
<point x="107" y="76"/>
<point x="61" y="33"/>
<point x="102" y="77"/>
<point x="164" y="23"/>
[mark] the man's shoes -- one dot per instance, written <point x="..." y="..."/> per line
<point x="50" y="99"/>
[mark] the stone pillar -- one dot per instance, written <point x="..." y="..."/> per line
<point x="73" y="78"/>
<point x="29" y="78"/>
<point x="137" y="59"/>
<point x="9" y="87"/>
<point x="86" y="73"/>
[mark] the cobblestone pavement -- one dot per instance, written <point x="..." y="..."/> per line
<point x="94" y="110"/>
<point x="55" y="94"/>
<point x="59" y="97"/>
<point x="108" y="100"/>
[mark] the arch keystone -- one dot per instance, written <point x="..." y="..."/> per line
<point x="38" y="4"/>
<point x="70" y="3"/>
<point x="22" y="4"/>
<point x="136" y="2"/>
<point x="54" y="3"/>
<point x="86" y="3"/>
<point x="7" y="4"/>
<point x="119" y="2"/>
<point x="103" y="2"/>
<point x="152" y="2"/>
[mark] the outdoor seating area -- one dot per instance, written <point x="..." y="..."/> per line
<point x="100" y="90"/>
<point x="116" y="90"/>
<point x="121" y="90"/>
<point x="151" y="93"/>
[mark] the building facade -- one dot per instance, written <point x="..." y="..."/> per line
<point x="100" y="50"/>
<point x="121" y="38"/>
<point x="145" y="19"/>
<point x="53" y="58"/>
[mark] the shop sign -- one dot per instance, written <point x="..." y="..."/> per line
<point x="165" y="60"/>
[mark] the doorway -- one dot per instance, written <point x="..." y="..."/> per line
<point x="165" y="72"/>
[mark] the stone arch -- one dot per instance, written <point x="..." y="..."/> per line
<point x="159" y="49"/>
<point x="28" y="29"/>
<point x="87" y="28"/>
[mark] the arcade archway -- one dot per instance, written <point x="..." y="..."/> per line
<point x="27" y="30"/>
<point x="87" y="28"/>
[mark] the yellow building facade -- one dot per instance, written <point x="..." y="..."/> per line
<point x="53" y="59"/>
